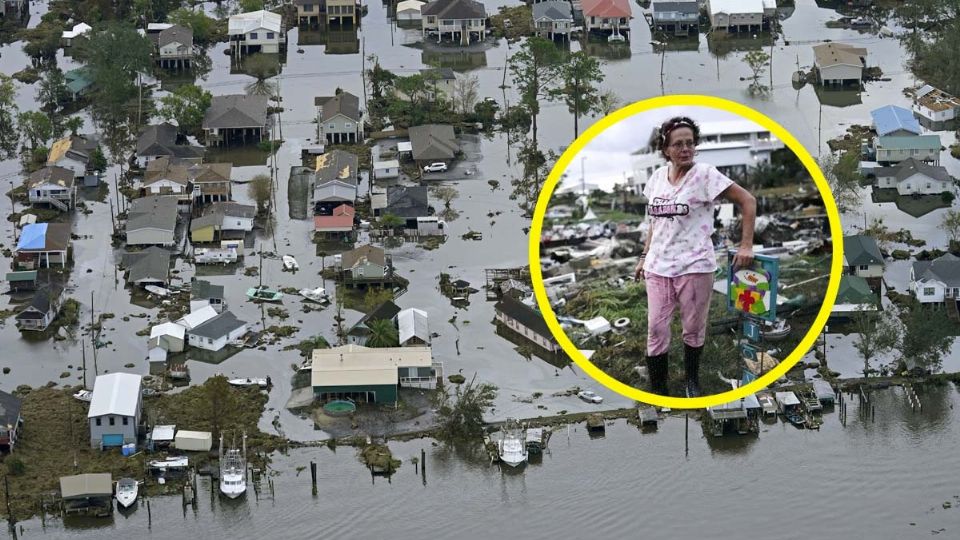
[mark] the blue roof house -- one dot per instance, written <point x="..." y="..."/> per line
<point x="893" y="120"/>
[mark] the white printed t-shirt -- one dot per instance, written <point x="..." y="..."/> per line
<point x="681" y="220"/>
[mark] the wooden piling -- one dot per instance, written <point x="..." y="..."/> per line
<point x="423" y="465"/>
<point x="313" y="474"/>
<point x="149" y="515"/>
<point x="686" y="434"/>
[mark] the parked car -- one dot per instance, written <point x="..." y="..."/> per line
<point x="589" y="396"/>
<point x="436" y="167"/>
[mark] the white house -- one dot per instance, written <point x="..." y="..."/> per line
<point x="645" y="163"/>
<point x="217" y="332"/>
<point x="54" y="186"/>
<point x="198" y="317"/>
<point x="862" y="257"/>
<point x="386" y="169"/>
<point x="409" y="10"/>
<point x="936" y="281"/>
<point x="115" y="408"/>
<point x="736" y="15"/>
<point x="761" y="142"/>
<point x="911" y="176"/>
<point x="935" y="108"/>
<point x="257" y="31"/>
<point x="428" y="225"/>
<point x="74" y="152"/>
<point x="168" y="336"/>
<point x="839" y="63"/>
<point x="68" y="36"/>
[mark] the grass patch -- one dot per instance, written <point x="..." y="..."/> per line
<point x="916" y="206"/>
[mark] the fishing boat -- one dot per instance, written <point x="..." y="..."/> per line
<point x="159" y="291"/>
<point x="789" y="406"/>
<point x="318" y="295"/>
<point x="263" y="293"/>
<point x="233" y="470"/>
<point x="290" y="263"/>
<point x="261" y="382"/>
<point x="775" y="331"/>
<point x="512" y="448"/>
<point x="126" y="492"/>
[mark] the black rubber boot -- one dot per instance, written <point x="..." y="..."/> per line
<point x="691" y="367"/>
<point x="657" y="368"/>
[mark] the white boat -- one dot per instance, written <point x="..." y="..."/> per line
<point x="290" y="263"/>
<point x="233" y="470"/>
<point x="173" y="462"/>
<point x="775" y="331"/>
<point x="157" y="290"/>
<point x="84" y="395"/>
<point x="512" y="446"/>
<point x="318" y="295"/>
<point x="616" y="38"/>
<point x="261" y="382"/>
<point x="126" y="494"/>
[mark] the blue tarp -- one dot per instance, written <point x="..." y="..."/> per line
<point x="33" y="236"/>
<point x="891" y="118"/>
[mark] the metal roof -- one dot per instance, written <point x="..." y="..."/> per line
<point x="115" y="393"/>
<point x="353" y="365"/>
<point x="86" y="485"/>
<point x="254" y="20"/>
<point x="909" y="142"/>
<point x="412" y="322"/>
<point x="735" y="6"/>
<point x="168" y="329"/>
<point x="163" y="433"/>
<point x="891" y="118"/>
<point x="198" y="317"/>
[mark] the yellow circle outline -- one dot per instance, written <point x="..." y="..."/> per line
<point x="836" y="267"/>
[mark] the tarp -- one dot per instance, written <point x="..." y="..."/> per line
<point x="33" y="236"/>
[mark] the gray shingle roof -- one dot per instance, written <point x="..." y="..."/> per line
<point x="372" y="253"/>
<point x="556" y="10"/>
<point x="152" y="264"/>
<point x="407" y="201"/>
<point x="157" y="212"/>
<point x="910" y="166"/>
<point x="688" y="8"/>
<point x="524" y="314"/>
<point x="859" y="249"/>
<point x="344" y="103"/>
<point x="51" y="175"/>
<point x="175" y="34"/>
<point x="386" y="310"/>
<point x="443" y="73"/>
<point x="202" y="289"/>
<point x="9" y="409"/>
<point x="161" y="140"/>
<point x="433" y="141"/>
<point x="218" y="326"/>
<point x="945" y="269"/>
<point x="236" y="111"/>
<point x="216" y="212"/>
<point x="454" y="9"/>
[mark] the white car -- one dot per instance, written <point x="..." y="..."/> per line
<point x="589" y="396"/>
<point x="436" y="167"/>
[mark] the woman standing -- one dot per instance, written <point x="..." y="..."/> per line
<point x="678" y="259"/>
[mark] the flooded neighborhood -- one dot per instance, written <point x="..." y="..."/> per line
<point x="267" y="269"/>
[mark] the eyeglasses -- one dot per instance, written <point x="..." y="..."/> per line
<point x="680" y="145"/>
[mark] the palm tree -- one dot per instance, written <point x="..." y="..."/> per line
<point x="383" y="334"/>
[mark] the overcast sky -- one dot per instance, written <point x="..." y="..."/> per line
<point x="608" y="154"/>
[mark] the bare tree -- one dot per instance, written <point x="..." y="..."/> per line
<point x="466" y="92"/>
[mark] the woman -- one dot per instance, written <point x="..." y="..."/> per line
<point x="678" y="259"/>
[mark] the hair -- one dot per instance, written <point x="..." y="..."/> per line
<point x="675" y="123"/>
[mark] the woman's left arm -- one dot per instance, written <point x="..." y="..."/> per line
<point x="748" y="213"/>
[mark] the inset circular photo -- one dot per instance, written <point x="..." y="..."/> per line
<point x="682" y="251"/>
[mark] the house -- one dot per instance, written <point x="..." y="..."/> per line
<point x="839" y="63"/>
<point x="339" y="118"/>
<point x="216" y="333"/>
<point x="79" y="82"/>
<point x="43" y="243"/>
<point x="167" y="176"/>
<point x="736" y="15"/>
<point x="552" y="18"/>
<point x="74" y="152"/>
<point x="894" y="148"/>
<point x="335" y="181"/>
<point x="525" y="321"/>
<point x="236" y="118"/>
<point x="463" y="20"/>
<point x="342" y="13"/>
<point x="39" y="313"/>
<point x="308" y="11"/>
<point x="413" y="328"/>
<point x="893" y="120"/>
<point x="115" y="409"/>
<point x="256" y="31"/>
<point x="10" y="421"/>
<point x="610" y="17"/>
<point x="913" y="177"/>
<point x="164" y="140"/>
<point x="152" y="220"/>
<point x="368" y="375"/>
<point x="424" y="226"/>
<point x="174" y="47"/>
<point x="854" y="296"/>
<point x="69" y="37"/>
<point x="406" y="201"/>
<point x="936" y="109"/>
<point x="211" y="182"/>
<point x="223" y="221"/>
<point x="87" y="492"/>
<point x="54" y="186"/>
<point x="196" y="318"/>
<point x="365" y="264"/>
<point x="359" y="333"/>
<point x="383" y="170"/>
<point x="862" y="258"/>
<point x="678" y="18"/>
<point x="441" y="82"/>
<point x="148" y="267"/>
<point x="337" y="225"/>
<point x="432" y="143"/>
<point x="936" y="281"/>
<point x="410" y="10"/>
<point x="168" y="336"/>
<point x="22" y="281"/>
<point x="203" y="293"/>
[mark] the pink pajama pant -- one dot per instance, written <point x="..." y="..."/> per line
<point x="692" y="292"/>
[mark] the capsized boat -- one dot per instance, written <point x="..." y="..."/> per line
<point x="318" y="295"/>
<point x="159" y="291"/>
<point x="126" y="492"/>
<point x="263" y="293"/>
<point x="261" y="382"/>
<point x="290" y="263"/>
<point x="84" y="395"/>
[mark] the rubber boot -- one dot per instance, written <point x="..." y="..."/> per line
<point x="657" y="367"/>
<point x="691" y="367"/>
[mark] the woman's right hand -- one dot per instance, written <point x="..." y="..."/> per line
<point x="638" y="271"/>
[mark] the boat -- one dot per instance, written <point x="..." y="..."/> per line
<point x="126" y="492"/>
<point x="172" y="462"/>
<point x="616" y="38"/>
<point x="768" y="405"/>
<point x="775" y="331"/>
<point x="512" y="447"/>
<point x="233" y="470"/>
<point x="263" y="293"/>
<point x="290" y="263"/>
<point x="261" y="382"/>
<point x="789" y="406"/>
<point x="84" y="395"/>
<point x="159" y="291"/>
<point x="318" y="295"/>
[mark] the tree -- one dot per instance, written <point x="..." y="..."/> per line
<point x="580" y="75"/>
<point x="844" y="179"/>
<point x="73" y="124"/>
<point x="186" y="106"/>
<point x="466" y="92"/>
<point x="460" y="415"/>
<point x="52" y="94"/>
<point x="609" y="102"/>
<point x="218" y="399"/>
<point x="757" y="62"/>
<point x="98" y="162"/>
<point x="951" y="224"/>
<point x="202" y="26"/>
<point x="391" y="221"/>
<point x="535" y="69"/>
<point x="927" y="336"/>
<point x="8" y="113"/>
<point x="115" y="54"/>
<point x="383" y="334"/>
<point x="247" y="6"/>
<point x="876" y="334"/>
<point x="485" y="111"/>
<point x="446" y="194"/>
<point x="260" y="191"/>
<point x="36" y="128"/>
<point x="935" y="57"/>
<point x="261" y="67"/>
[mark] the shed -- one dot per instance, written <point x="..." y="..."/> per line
<point x="824" y="391"/>
<point x="413" y="327"/>
<point x="194" y="441"/>
<point x="22" y="281"/>
<point x="163" y="435"/>
<point x="409" y="10"/>
<point x="169" y="336"/>
<point x="86" y="486"/>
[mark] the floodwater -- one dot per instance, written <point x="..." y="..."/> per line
<point x="882" y="477"/>
<point x="867" y="480"/>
